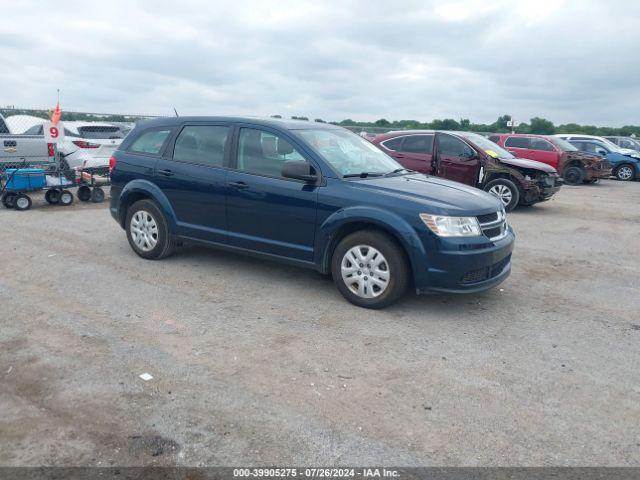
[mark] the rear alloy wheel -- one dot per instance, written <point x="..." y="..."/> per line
<point x="147" y="231"/>
<point x="506" y="191"/>
<point x="9" y="199"/>
<point x="624" y="173"/>
<point x="573" y="175"/>
<point x="22" y="202"/>
<point x="369" y="269"/>
<point x="84" y="193"/>
<point x="52" y="197"/>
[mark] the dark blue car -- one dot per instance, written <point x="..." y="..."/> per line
<point x="309" y="194"/>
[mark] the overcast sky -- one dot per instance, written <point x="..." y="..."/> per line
<point x="574" y="61"/>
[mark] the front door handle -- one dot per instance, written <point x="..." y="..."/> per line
<point x="165" y="173"/>
<point x="239" y="185"/>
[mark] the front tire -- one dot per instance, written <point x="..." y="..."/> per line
<point x="52" y="197"/>
<point x="573" y="175"/>
<point x="97" y="195"/>
<point x="625" y="172"/>
<point x="84" y="193"/>
<point x="66" y="198"/>
<point x="147" y="231"/>
<point x="370" y="269"/>
<point x="504" y="190"/>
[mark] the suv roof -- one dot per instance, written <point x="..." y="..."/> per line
<point x="265" y="121"/>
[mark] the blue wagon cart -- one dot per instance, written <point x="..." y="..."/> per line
<point x="18" y="182"/>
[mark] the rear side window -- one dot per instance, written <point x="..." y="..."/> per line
<point x="517" y="142"/>
<point x="449" y="145"/>
<point x="417" y="144"/>
<point x="35" y="130"/>
<point x="494" y="138"/>
<point x="201" y="144"/>
<point x="150" y="141"/>
<point x="541" y="144"/>
<point x="393" y="143"/>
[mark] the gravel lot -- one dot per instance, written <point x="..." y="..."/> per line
<point x="258" y="363"/>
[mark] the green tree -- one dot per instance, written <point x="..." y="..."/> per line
<point x="542" y="126"/>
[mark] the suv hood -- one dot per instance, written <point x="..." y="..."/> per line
<point x="532" y="164"/>
<point x="437" y="195"/>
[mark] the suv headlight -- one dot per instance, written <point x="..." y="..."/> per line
<point x="452" y="226"/>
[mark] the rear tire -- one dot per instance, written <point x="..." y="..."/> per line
<point x="9" y="199"/>
<point x="625" y="172"/>
<point x="504" y="190"/>
<point x="52" y="197"/>
<point x="370" y="269"/>
<point x="97" y="195"/>
<point x="22" y="202"/>
<point x="573" y="175"/>
<point x="147" y="231"/>
<point x="84" y="193"/>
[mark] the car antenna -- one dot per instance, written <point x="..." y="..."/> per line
<point x="174" y="109"/>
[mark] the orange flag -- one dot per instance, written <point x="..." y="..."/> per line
<point x="57" y="113"/>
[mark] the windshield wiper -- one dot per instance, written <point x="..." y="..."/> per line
<point x="398" y="170"/>
<point x="363" y="174"/>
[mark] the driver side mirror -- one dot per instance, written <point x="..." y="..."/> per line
<point x="601" y="151"/>
<point x="299" y="170"/>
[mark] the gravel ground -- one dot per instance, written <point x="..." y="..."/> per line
<point x="258" y="363"/>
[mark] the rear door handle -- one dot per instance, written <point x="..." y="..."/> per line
<point x="165" y="173"/>
<point x="238" y="185"/>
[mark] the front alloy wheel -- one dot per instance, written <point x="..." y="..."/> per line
<point x="624" y="173"/>
<point x="365" y="271"/>
<point x="370" y="269"/>
<point x="506" y="191"/>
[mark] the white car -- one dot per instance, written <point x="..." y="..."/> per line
<point x="86" y="144"/>
<point x="609" y="143"/>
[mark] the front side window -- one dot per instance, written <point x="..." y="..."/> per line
<point x="348" y="153"/>
<point x="201" y="144"/>
<point x="150" y="141"/>
<point x="541" y="144"/>
<point x="517" y="142"/>
<point x="417" y="144"/>
<point x="594" y="147"/>
<point x="264" y="153"/>
<point x="450" y="145"/>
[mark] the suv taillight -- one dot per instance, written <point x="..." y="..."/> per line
<point x="112" y="164"/>
<point x="50" y="150"/>
<point x="83" y="144"/>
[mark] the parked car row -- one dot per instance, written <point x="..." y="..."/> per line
<point x="474" y="160"/>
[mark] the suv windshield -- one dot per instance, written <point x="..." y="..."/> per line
<point x="564" y="145"/>
<point x="486" y="145"/>
<point x="349" y="153"/>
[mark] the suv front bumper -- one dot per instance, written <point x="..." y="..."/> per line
<point x="465" y="271"/>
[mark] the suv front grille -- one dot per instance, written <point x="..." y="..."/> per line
<point x="493" y="225"/>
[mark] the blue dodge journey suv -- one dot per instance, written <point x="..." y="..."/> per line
<point x="313" y="195"/>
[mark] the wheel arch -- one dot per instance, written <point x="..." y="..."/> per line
<point x="350" y="220"/>
<point x="140" y="190"/>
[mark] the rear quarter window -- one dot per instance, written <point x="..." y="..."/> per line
<point x="150" y="141"/>
<point x="517" y="142"/>
<point x="392" y="143"/>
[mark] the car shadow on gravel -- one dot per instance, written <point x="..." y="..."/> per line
<point x="280" y="275"/>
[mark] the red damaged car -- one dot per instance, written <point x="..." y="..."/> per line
<point x="575" y="166"/>
<point x="472" y="159"/>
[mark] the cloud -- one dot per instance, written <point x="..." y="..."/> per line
<point x="573" y="61"/>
